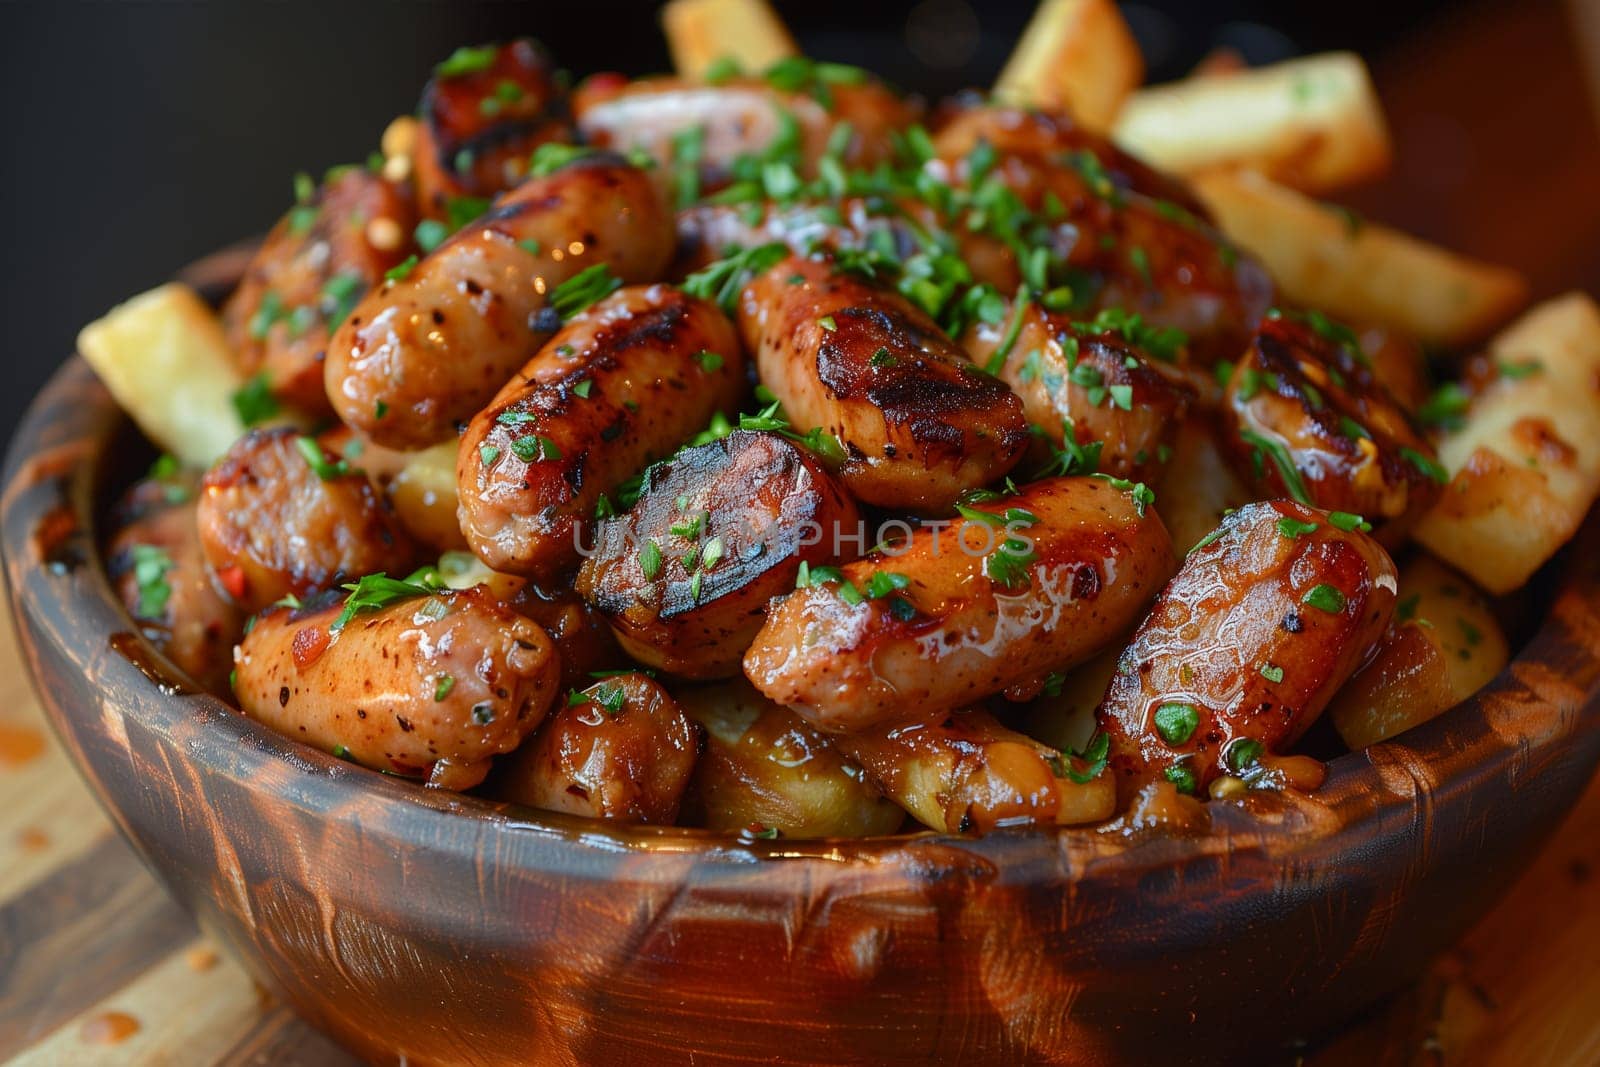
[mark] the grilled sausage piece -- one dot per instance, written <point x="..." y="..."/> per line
<point x="919" y="423"/>
<point x="430" y="687"/>
<point x="963" y="771"/>
<point x="158" y="570"/>
<point x="271" y="525"/>
<point x="1015" y="589"/>
<point x="1245" y="646"/>
<point x="1307" y="419"/>
<point x="624" y="384"/>
<point x="1043" y="132"/>
<point x="580" y="633"/>
<point x="718" y="531"/>
<point x="422" y="354"/>
<point x="621" y="749"/>
<point x="729" y="125"/>
<point x="765" y="769"/>
<point x="317" y="262"/>
<point x="1119" y="238"/>
<point x="483" y="113"/>
<point x="1097" y="384"/>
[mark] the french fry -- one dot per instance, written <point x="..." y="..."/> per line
<point x="1313" y="124"/>
<point x="1075" y="54"/>
<point x="164" y="357"/>
<point x="701" y="32"/>
<point x="1360" y="270"/>
<point x="1525" y="465"/>
<point x="1446" y="648"/>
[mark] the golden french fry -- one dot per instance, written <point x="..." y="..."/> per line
<point x="701" y="32"/>
<point x="1313" y="124"/>
<point x="1525" y="466"/>
<point x="1198" y="486"/>
<point x="164" y="357"/>
<point x="1075" y="54"/>
<point x="1359" y="270"/>
<point x="1446" y="647"/>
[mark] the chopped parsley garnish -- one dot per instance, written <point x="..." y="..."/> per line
<point x="1009" y="564"/>
<point x="1446" y="408"/>
<point x="339" y="296"/>
<point x="1143" y="496"/>
<point x="430" y="234"/>
<point x="401" y="270"/>
<point x="722" y="69"/>
<point x="535" y="448"/>
<point x="442" y="687"/>
<point x="1272" y="672"/>
<point x="1425" y="465"/>
<point x="1519" y="370"/>
<point x="1325" y="597"/>
<point x="378" y="591"/>
<point x="551" y="157"/>
<point x="467" y="60"/>
<point x="722" y="281"/>
<point x="1097" y="753"/>
<point x="1164" y="343"/>
<point x="254" y="401"/>
<point x="1176" y="722"/>
<point x="1348" y="522"/>
<point x="460" y="210"/>
<point x="710" y="362"/>
<point x="487" y="454"/>
<point x="583" y="289"/>
<point x="1291" y="527"/>
<point x="1182" y="778"/>
<point x="1242" y="753"/>
<point x="150" y="567"/>
<point x="1279" y="454"/>
<point x="318" y="460"/>
<point x="650" y="560"/>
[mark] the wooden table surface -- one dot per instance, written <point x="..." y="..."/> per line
<point x="97" y="965"/>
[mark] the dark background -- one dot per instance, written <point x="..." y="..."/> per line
<point x="144" y="133"/>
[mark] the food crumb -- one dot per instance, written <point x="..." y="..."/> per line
<point x="33" y="839"/>
<point x="201" y="958"/>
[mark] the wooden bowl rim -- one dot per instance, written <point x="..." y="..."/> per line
<point x="1382" y="796"/>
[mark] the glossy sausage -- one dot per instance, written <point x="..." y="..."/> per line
<point x="1307" y="419"/>
<point x="156" y="566"/>
<point x="718" y="531"/>
<point x="311" y="270"/>
<point x="920" y="425"/>
<point x="620" y="749"/>
<point x="1109" y="393"/>
<point x="1245" y="646"/>
<point x="960" y="612"/>
<point x="482" y="114"/>
<point x="422" y="354"/>
<point x="620" y="386"/>
<point x="272" y="526"/>
<point x="430" y="687"/>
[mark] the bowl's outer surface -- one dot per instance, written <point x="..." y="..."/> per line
<point x="445" y="929"/>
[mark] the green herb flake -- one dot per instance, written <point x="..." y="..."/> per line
<point x="377" y="591"/>
<point x="1292" y="528"/>
<point x="584" y="289"/>
<point x="1182" y="778"/>
<point x="254" y="401"/>
<point x="1425" y="465"/>
<point x="1348" y="522"/>
<point x="1176" y="722"/>
<point x="442" y="687"/>
<point x="1325" y="597"/>
<point x="467" y="60"/>
<point x="710" y="362"/>
<point x="151" y="565"/>
<point x="1272" y="673"/>
<point x="650" y="560"/>
<point x="1242" y="753"/>
<point x="402" y="270"/>
<point x="318" y="461"/>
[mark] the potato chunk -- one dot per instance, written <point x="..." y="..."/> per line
<point x="1444" y="646"/>
<point x="1525" y="466"/>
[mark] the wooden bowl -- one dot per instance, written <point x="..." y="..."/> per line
<point x="434" y="928"/>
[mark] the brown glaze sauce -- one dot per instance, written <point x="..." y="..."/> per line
<point x="131" y="647"/>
